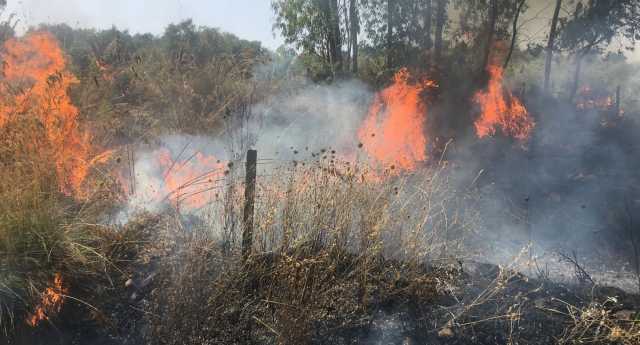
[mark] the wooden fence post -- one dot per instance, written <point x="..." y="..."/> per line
<point x="249" y="201"/>
<point x="617" y="105"/>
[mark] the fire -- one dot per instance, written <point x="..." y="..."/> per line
<point x="105" y="70"/>
<point x="393" y="134"/>
<point x="589" y="100"/>
<point x="35" y="84"/>
<point x="50" y="303"/>
<point x="501" y="109"/>
<point x="190" y="182"/>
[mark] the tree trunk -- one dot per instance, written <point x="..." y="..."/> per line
<point x="354" y="19"/>
<point x="550" y="45"/>
<point x="518" y="7"/>
<point x="390" y="19"/>
<point x="347" y="25"/>
<point x="491" y="29"/>
<point x="576" y="77"/>
<point x="336" y="42"/>
<point x="441" y="18"/>
<point x="617" y="108"/>
<point x="428" y="43"/>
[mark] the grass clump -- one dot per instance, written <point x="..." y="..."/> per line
<point x="50" y="244"/>
<point x="600" y="323"/>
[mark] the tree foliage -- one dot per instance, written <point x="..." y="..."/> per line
<point x="190" y="79"/>
<point x="596" y="23"/>
<point x="316" y="27"/>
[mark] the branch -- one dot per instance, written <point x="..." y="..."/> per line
<point x="515" y="33"/>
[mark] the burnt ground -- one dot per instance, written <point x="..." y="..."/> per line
<point x="488" y="305"/>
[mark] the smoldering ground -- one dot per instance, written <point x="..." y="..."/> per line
<point x="565" y="190"/>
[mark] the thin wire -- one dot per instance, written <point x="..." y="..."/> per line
<point x="173" y="162"/>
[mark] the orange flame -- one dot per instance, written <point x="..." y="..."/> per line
<point x="590" y="100"/>
<point x="190" y="182"/>
<point x="393" y="134"/>
<point x="36" y="82"/>
<point x="50" y="303"/>
<point x="498" y="111"/>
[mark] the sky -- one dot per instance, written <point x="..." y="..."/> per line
<point x="248" y="19"/>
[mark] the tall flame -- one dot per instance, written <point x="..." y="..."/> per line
<point x="50" y="302"/>
<point x="35" y="84"/>
<point x="501" y="109"/>
<point x="393" y="134"/>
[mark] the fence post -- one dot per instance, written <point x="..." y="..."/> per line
<point x="617" y="106"/>
<point x="249" y="201"/>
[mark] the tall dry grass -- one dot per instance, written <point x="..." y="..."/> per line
<point x="43" y="232"/>
<point x="333" y="244"/>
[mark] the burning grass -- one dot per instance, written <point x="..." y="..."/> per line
<point x="335" y="254"/>
<point x="333" y="251"/>
<point x="330" y="250"/>
<point x="50" y="200"/>
<point x="336" y="244"/>
<point x="48" y="242"/>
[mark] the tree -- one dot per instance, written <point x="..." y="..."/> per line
<point x="8" y="26"/>
<point x="518" y="8"/>
<point x="491" y="29"/>
<point x="441" y="19"/>
<point x="551" y="44"/>
<point x="427" y="19"/>
<point x="390" y="24"/>
<point x="313" y="26"/>
<point x="485" y="23"/>
<point x="335" y="36"/>
<point x="593" y="27"/>
<point x="398" y="31"/>
<point x="354" y="21"/>
<point x="428" y="14"/>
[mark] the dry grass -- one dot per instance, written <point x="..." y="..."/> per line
<point x="44" y="233"/>
<point x="597" y="323"/>
<point x="332" y="245"/>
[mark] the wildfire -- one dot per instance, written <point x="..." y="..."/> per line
<point x="501" y="109"/>
<point x="190" y="182"/>
<point x="186" y="180"/>
<point x="50" y="303"/>
<point x="591" y="100"/>
<point x="35" y="84"/>
<point x="393" y="134"/>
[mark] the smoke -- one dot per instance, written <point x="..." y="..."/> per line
<point x="569" y="188"/>
<point x="178" y="170"/>
<point x="297" y="123"/>
<point x="313" y="118"/>
<point x="565" y="188"/>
